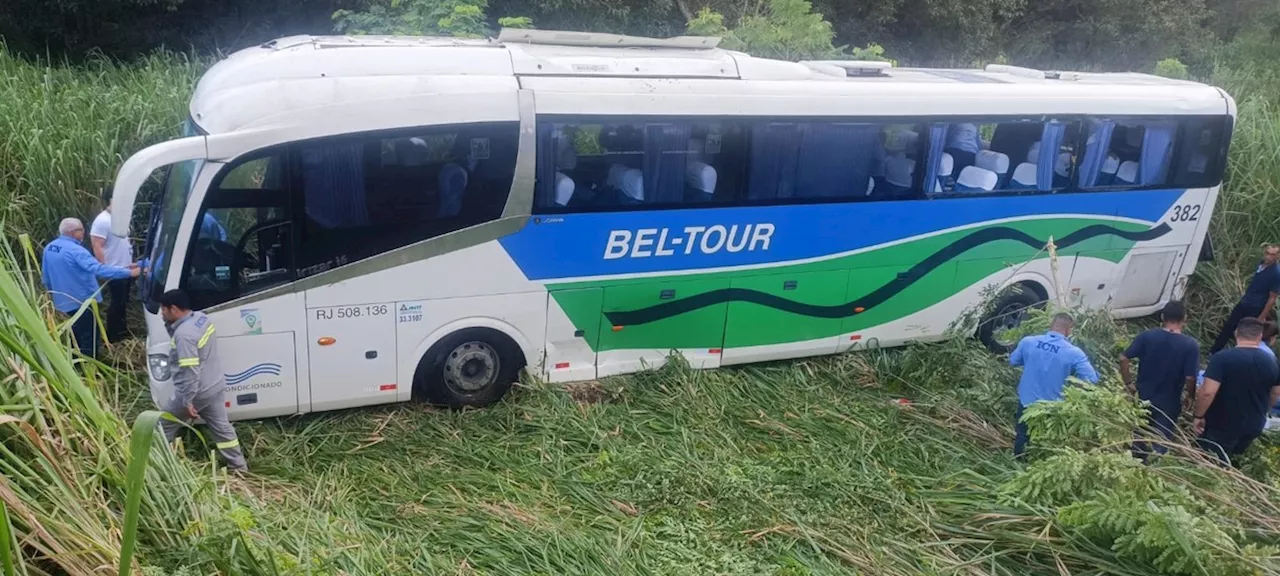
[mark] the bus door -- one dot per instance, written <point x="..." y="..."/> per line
<point x="240" y="256"/>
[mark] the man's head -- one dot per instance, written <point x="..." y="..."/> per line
<point x="1174" y="314"/>
<point x="1062" y="323"/>
<point x="1271" y="253"/>
<point x="174" y="305"/>
<point x="72" y="227"/>
<point x="106" y="196"/>
<point x="1249" y="332"/>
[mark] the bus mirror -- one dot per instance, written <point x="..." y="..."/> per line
<point x="138" y="168"/>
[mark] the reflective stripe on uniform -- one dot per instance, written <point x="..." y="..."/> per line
<point x="229" y="444"/>
<point x="188" y="362"/>
<point x="205" y="339"/>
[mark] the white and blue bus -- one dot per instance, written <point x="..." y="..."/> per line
<point x="369" y="219"/>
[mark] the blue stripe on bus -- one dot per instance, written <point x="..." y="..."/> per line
<point x="578" y="245"/>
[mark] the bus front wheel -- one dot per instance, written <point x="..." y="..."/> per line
<point x="469" y="368"/>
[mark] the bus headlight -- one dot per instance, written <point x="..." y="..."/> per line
<point x="160" y="368"/>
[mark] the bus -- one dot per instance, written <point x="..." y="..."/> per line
<point x="373" y="219"/>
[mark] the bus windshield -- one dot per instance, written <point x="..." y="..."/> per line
<point x="164" y="226"/>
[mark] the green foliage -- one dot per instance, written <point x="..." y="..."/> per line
<point x="1091" y="417"/>
<point x="1171" y="68"/>
<point x="64" y="132"/>
<point x="784" y="29"/>
<point x="463" y="18"/>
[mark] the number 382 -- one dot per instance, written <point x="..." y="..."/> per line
<point x="1186" y="213"/>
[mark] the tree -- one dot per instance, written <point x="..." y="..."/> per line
<point x="784" y="29"/>
<point x="464" y="18"/>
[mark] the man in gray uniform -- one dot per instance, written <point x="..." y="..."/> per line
<point x="198" y="385"/>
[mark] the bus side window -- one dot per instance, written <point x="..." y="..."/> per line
<point x="1200" y="161"/>
<point x="363" y="195"/>
<point x="1126" y="153"/>
<point x="601" y="165"/>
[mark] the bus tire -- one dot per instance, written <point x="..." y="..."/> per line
<point x="473" y="368"/>
<point x="1006" y="313"/>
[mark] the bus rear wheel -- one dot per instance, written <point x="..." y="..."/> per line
<point x="1005" y="315"/>
<point x="469" y="368"/>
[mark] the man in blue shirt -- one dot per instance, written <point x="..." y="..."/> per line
<point x="1170" y="360"/>
<point x="1259" y="296"/>
<point x="1047" y="360"/>
<point x="70" y="274"/>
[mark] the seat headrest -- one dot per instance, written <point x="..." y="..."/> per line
<point x="1025" y="174"/>
<point x="614" y="178"/>
<point x="1062" y="166"/>
<point x="700" y="176"/>
<point x="633" y="184"/>
<point x="1128" y="172"/>
<point x="898" y="171"/>
<point x="946" y="165"/>
<point x="1033" y="153"/>
<point x="975" y="178"/>
<point x="993" y="161"/>
<point x="564" y="189"/>
<point x="1111" y="164"/>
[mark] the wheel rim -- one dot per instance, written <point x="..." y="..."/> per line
<point x="471" y="367"/>
<point x="1009" y="318"/>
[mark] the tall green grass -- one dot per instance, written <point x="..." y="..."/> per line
<point x="1247" y="214"/>
<point x="65" y="130"/>
<point x="65" y="499"/>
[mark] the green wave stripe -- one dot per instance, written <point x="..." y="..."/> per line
<point x="825" y="282"/>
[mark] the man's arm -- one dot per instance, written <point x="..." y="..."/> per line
<point x="187" y="378"/>
<point x="98" y="237"/>
<point x="1266" y="310"/>
<point x="1083" y="369"/>
<point x="1275" y="397"/>
<point x="1204" y="399"/>
<point x="1126" y="375"/>
<point x="88" y="262"/>
<point x="99" y="248"/>
<point x="1016" y="358"/>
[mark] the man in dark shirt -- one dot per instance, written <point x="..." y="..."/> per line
<point x="1169" y="361"/>
<point x="1240" y="386"/>
<point x="1259" y="296"/>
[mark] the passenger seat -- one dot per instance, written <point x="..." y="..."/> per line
<point x="564" y="189"/>
<point x="898" y="174"/>
<point x="976" y="180"/>
<point x="700" y="181"/>
<point x="1107" y="176"/>
<point x="1024" y="177"/>
<point x="946" y="167"/>
<point x="1127" y="174"/>
<point x="995" y="162"/>
<point x="453" y="185"/>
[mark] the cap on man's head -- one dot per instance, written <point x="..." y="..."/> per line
<point x="177" y="299"/>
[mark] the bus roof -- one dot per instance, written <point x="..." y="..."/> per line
<point x="303" y="79"/>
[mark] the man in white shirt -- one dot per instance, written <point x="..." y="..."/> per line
<point x="112" y="250"/>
